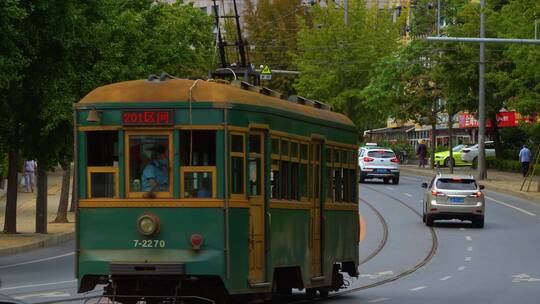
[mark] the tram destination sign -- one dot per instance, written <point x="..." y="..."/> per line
<point x="148" y="117"/>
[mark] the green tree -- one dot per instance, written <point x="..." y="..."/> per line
<point x="336" y="60"/>
<point x="271" y="31"/>
<point x="73" y="46"/>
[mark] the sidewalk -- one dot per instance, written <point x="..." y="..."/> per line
<point x="26" y="239"/>
<point x="506" y="182"/>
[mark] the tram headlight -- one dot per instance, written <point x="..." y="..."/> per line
<point x="148" y="224"/>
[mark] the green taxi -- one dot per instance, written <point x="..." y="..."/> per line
<point x="443" y="158"/>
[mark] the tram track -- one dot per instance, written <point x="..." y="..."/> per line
<point x="384" y="238"/>
<point x="424" y="261"/>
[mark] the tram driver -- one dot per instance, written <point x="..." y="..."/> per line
<point x="155" y="175"/>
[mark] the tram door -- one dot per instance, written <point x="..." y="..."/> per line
<point x="316" y="227"/>
<point x="255" y="166"/>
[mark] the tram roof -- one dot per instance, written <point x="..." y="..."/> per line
<point x="177" y="90"/>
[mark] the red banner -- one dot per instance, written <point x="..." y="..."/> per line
<point x="504" y="119"/>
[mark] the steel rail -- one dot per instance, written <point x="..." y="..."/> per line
<point x="384" y="238"/>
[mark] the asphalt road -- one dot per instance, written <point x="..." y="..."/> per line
<point x="403" y="260"/>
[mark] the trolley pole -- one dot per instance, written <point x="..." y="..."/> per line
<point x="482" y="174"/>
<point x="439" y="18"/>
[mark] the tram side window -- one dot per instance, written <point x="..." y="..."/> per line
<point x="198" y="163"/>
<point x="274" y="172"/>
<point x="102" y="160"/>
<point x="237" y="164"/>
<point x="254" y="164"/>
<point x="149" y="163"/>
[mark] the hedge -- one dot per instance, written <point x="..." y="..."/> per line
<point x="508" y="165"/>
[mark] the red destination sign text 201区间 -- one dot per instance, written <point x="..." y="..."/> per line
<point x="147" y="117"/>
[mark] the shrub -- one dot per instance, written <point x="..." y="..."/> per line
<point x="508" y="165"/>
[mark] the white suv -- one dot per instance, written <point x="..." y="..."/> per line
<point x="470" y="154"/>
<point x="377" y="162"/>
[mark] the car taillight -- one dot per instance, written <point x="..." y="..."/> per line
<point x="395" y="160"/>
<point x="478" y="194"/>
<point x="196" y="241"/>
<point x="368" y="159"/>
<point x="437" y="193"/>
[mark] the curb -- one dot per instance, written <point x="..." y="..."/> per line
<point x="520" y="194"/>
<point x="49" y="241"/>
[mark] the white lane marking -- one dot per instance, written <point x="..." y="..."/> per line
<point x="40" y="260"/>
<point x="417" y="288"/>
<point x="390" y="188"/>
<point x="518" y="278"/>
<point x="511" y="206"/>
<point x="469" y="248"/>
<point x="379" y="300"/>
<point x="468" y="259"/>
<point x="54" y="294"/>
<point x="377" y="275"/>
<point x="468" y="238"/>
<point x="462" y="229"/>
<point x="461" y="268"/>
<point x="37" y="285"/>
<point x="445" y="278"/>
<point x="408" y="194"/>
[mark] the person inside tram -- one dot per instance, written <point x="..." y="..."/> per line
<point x="155" y="175"/>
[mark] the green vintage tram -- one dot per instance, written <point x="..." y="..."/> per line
<point x="194" y="187"/>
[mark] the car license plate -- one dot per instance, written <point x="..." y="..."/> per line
<point x="382" y="170"/>
<point x="457" y="200"/>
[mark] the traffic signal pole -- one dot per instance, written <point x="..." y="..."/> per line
<point x="482" y="173"/>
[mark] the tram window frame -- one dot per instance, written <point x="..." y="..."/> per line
<point x="303" y="172"/>
<point x="144" y="194"/>
<point x="257" y="158"/>
<point x="100" y="166"/>
<point x="294" y="170"/>
<point x="198" y="169"/>
<point x="337" y="170"/>
<point x="242" y="156"/>
<point x="285" y="169"/>
<point x="329" y="154"/>
<point x="275" y="177"/>
<point x="197" y="165"/>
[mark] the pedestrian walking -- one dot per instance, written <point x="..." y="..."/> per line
<point x="525" y="159"/>
<point x="29" y="174"/>
<point x="421" y="152"/>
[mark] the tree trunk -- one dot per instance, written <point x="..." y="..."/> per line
<point x="73" y="192"/>
<point x="41" y="200"/>
<point x="450" y="134"/>
<point x="61" y="215"/>
<point x="10" y="220"/>
<point x="496" y="137"/>
<point x="433" y="145"/>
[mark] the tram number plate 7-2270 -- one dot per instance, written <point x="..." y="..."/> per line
<point x="149" y="243"/>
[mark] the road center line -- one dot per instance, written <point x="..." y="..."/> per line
<point x="462" y="229"/>
<point x="417" y="288"/>
<point x="468" y="238"/>
<point x="379" y="300"/>
<point x="469" y="248"/>
<point x="461" y="268"/>
<point x="445" y="278"/>
<point x="408" y="194"/>
<point x="468" y="259"/>
<point x="511" y="206"/>
<point x="37" y="285"/>
<point x="390" y="188"/>
<point x="38" y="261"/>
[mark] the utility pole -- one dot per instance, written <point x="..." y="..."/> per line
<point x="482" y="174"/>
<point x="439" y="18"/>
<point x="346" y="9"/>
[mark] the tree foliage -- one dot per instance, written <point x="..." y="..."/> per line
<point x="336" y="60"/>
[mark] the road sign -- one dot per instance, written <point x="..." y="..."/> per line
<point x="266" y="73"/>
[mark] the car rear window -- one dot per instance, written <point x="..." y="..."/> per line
<point x="456" y="184"/>
<point x="381" y="154"/>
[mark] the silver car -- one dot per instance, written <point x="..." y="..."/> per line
<point x="452" y="196"/>
<point x="377" y="162"/>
